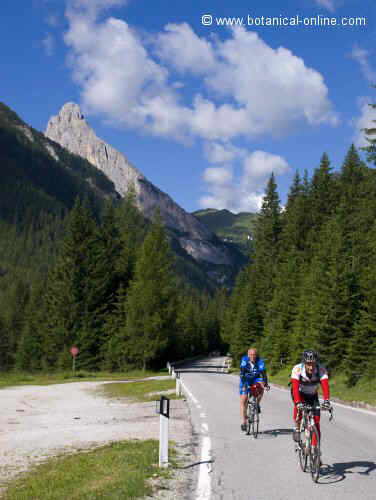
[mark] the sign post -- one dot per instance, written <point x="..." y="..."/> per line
<point x="164" y="415"/>
<point x="74" y="351"/>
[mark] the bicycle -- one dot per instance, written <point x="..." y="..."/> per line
<point x="308" y="433"/>
<point x="253" y="416"/>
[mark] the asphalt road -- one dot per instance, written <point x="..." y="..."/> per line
<point x="236" y="466"/>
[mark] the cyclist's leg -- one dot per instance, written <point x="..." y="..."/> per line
<point x="316" y="417"/>
<point x="260" y="385"/>
<point x="244" y="392"/>
<point x="297" y="418"/>
<point x="314" y="401"/>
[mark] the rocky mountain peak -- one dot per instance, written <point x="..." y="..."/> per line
<point x="70" y="130"/>
<point x="70" y="112"/>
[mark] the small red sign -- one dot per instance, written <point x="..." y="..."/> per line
<point x="74" y="351"/>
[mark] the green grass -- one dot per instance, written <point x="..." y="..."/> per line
<point x="119" y="470"/>
<point x="139" y="391"/>
<point x="364" y="390"/>
<point x="18" y="378"/>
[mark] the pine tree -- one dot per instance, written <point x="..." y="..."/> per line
<point x="5" y="349"/>
<point x="323" y="196"/>
<point x="361" y="358"/>
<point x="66" y="310"/>
<point x="151" y="304"/>
<point x="332" y="311"/>
<point x="30" y="348"/>
<point x="267" y="239"/>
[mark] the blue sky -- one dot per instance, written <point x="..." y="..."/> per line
<point x="205" y="112"/>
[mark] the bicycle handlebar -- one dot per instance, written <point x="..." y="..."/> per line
<point x="308" y="407"/>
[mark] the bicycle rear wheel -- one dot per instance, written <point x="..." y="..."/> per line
<point x="314" y="455"/>
<point x="255" y="424"/>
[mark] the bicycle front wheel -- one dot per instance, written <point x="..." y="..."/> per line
<point x="314" y="455"/>
<point x="303" y="447"/>
<point x="250" y="419"/>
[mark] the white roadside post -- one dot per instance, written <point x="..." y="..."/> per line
<point x="164" y="415"/>
<point x="178" y="384"/>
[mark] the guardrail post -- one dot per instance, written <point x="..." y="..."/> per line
<point x="164" y="415"/>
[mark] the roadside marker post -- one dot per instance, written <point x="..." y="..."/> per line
<point x="178" y="385"/>
<point x="164" y="415"/>
<point x="74" y="351"/>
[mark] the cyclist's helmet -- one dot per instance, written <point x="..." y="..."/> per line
<point x="309" y="356"/>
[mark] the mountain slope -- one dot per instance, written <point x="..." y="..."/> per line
<point x="231" y="228"/>
<point x="39" y="175"/>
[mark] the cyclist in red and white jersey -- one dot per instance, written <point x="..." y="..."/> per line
<point x="305" y="380"/>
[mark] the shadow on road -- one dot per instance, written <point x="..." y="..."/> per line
<point x="338" y="471"/>
<point x="276" y="432"/>
<point x="196" y="463"/>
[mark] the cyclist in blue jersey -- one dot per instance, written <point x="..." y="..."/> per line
<point x="252" y="374"/>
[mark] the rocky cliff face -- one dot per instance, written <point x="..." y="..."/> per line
<point x="70" y="129"/>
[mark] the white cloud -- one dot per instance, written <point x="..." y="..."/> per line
<point x="48" y="44"/>
<point x="362" y="57"/>
<point x="217" y="152"/>
<point x="273" y="86"/>
<point x="181" y="47"/>
<point x="218" y="175"/>
<point x="251" y="88"/>
<point x="365" y="120"/>
<point x="327" y="4"/>
<point x="246" y="192"/>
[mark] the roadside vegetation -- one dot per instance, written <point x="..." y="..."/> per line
<point x="119" y="470"/>
<point x="142" y="391"/>
<point x="364" y="390"/>
<point x="21" y="378"/>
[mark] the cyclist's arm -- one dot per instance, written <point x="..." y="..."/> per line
<point x="324" y="382"/>
<point x="295" y="391"/>
<point x="295" y="382"/>
<point x="264" y="377"/>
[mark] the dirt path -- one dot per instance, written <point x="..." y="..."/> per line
<point x="41" y="421"/>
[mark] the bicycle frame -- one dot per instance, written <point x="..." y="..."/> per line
<point x="306" y="448"/>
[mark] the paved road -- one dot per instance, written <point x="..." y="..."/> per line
<point x="237" y="466"/>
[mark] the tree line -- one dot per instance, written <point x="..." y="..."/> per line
<point x="113" y="290"/>
<point x="311" y="282"/>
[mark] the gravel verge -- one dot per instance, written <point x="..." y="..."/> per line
<point x="38" y="422"/>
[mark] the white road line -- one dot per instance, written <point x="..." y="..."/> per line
<point x="189" y="393"/>
<point x="204" y="479"/>
<point x="347" y="407"/>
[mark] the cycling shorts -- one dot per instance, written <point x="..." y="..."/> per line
<point x="311" y="399"/>
<point x="245" y="386"/>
